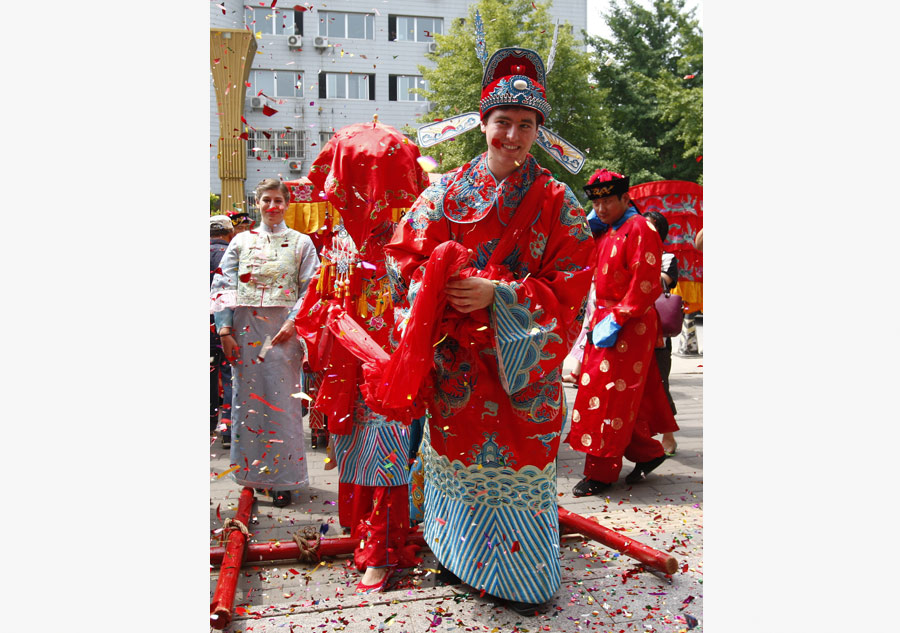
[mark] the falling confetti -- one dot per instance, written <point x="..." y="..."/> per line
<point x="427" y="163"/>
<point x="271" y="406"/>
<point x="227" y="472"/>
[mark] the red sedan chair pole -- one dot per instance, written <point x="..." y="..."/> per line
<point x="221" y="608"/>
<point x="571" y="522"/>
<point x="308" y="549"/>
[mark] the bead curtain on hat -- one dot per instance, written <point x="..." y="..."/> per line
<point x="513" y="76"/>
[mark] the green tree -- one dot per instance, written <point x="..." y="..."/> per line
<point x="213" y="203"/>
<point x="649" y="76"/>
<point x="455" y="82"/>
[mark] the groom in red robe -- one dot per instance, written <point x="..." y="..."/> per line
<point x="513" y="311"/>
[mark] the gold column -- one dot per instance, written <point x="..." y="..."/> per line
<point x="231" y="53"/>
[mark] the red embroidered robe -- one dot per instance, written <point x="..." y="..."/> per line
<point x="498" y="405"/>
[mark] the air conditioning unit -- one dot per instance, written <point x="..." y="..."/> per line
<point x="257" y="103"/>
<point x="320" y="42"/>
<point x="295" y="41"/>
<point x="432" y="47"/>
<point x="295" y="165"/>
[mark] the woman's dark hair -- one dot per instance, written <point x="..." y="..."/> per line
<point x="660" y="222"/>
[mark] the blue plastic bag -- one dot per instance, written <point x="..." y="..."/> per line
<point x="606" y="332"/>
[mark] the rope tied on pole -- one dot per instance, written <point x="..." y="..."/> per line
<point x="308" y="553"/>
<point x="233" y="524"/>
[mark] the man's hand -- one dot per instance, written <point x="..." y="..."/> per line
<point x="468" y="295"/>
<point x="230" y="347"/>
<point x="285" y="333"/>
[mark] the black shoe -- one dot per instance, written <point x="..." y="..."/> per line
<point x="447" y="577"/>
<point x="642" y="469"/>
<point x="226" y="440"/>
<point x="318" y="437"/>
<point x="282" y="498"/>
<point x="526" y="609"/>
<point x="587" y="487"/>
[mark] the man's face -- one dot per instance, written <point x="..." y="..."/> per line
<point x="610" y="208"/>
<point x="272" y="206"/>
<point x="510" y="133"/>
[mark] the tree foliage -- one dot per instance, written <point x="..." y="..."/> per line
<point x="633" y="104"/>
<point x="455" y="82"/>
<point x="649" y="77"/>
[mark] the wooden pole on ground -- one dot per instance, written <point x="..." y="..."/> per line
<point x="222" y="606"/>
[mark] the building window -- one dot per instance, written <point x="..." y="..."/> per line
<point x="277" y="143"/>
<point x="403" y="28"/>
<point x="267" y="21"/>
<point x="276" y="83"/>
<point x="400" y="88"/>
<point x="346" y="86"/>
<point x="324" y="137"/>
<point x="350" y="25"/>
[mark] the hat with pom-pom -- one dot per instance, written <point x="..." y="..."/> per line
<point x="603" y="183"/>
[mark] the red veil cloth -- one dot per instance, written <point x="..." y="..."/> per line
<point x="392" y="384"/>
<point x="681" y="203"/>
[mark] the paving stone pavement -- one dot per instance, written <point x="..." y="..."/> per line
<point x="601" y="590"/>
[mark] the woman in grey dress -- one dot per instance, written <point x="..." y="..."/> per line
<point x="255" y="295"/>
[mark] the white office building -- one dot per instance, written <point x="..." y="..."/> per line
<point x="330" y="66"/>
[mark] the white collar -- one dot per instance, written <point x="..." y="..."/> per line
<point x="278" y="228"/>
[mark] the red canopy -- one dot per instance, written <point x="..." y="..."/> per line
<point x="681" y="203"/>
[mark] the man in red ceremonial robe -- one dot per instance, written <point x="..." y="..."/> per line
<point x="620" y="390"/>
<point x="513" y="312"/>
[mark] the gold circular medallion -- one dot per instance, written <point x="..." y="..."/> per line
<point x="612" y="253"/>
<point x="646" y="287"/>
<point x="605" y="269"/>
<point x="594" y="403"/>
<point x="640" y="329"/>
<point x="617" y="423"/>
<point x="585" y="379"/>
<point x="638" y="366"/>
<point x="576" y="417"/>
<point x="604" y="365"/>
<point x="586" y="439"/>
<point x="650" y="257"/>
<point x="620" y="385"/>
<point x="622" y="346"/>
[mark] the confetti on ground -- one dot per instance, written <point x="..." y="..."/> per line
<point x="228" y="472"/>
